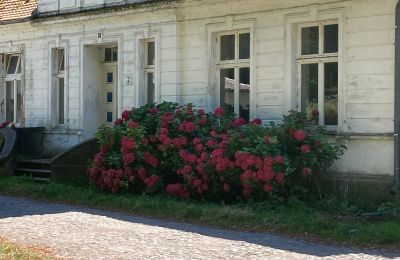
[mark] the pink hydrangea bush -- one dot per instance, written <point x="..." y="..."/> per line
<point x="188" y="153"/>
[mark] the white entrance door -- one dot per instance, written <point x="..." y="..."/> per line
<point x="109" y="93"/>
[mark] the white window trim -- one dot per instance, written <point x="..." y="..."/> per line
<point x="333" y="12"/>
<point x="321" y="59"/>
<point x="60" y="75"/>
<point x="228" y="26"/>
<point x="235" y="64"/>
<point x="13" y="78"/>
<point x="141" y="37"/>
<point x="54" y="75"/>
<point x="148" y="69"/>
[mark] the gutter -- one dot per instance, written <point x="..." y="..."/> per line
<point x="124" y="4"/>
<point x="397" y="104"/>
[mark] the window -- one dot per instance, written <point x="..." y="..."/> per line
<point x="111" y="54"/>
<point x="318" y="66"/>
<point x="149" y="71"/>
<point x="233" y="71"/>
<point x="60" y="86"/>
<point x="12" y="103"/>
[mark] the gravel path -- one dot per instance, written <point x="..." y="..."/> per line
<point x="80" y="233"/>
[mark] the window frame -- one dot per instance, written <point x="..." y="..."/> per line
<point x="149" y="69"/>
<point x="320" y="59"/>
<point x="60" y="74"/>
<point x="235" y="64"/>
<point x="112" y="48"/>
<point x="14" y="78"/>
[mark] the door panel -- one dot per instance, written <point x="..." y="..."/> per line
<point x="109" y="94"/>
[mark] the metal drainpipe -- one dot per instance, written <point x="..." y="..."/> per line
<point x="397" y="104"/>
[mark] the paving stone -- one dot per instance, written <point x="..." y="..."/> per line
<point x="80" y="233"/>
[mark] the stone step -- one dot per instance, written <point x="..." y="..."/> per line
<point x="37" y="164"/>
<point x="34" y="173"/>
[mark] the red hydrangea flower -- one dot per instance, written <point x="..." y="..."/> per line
<point x="151" y="181"/>
<point x="267" y="188"/>
<point x="125" y="115"/>
<point x="305" y="148"/>
<point x="280" y="178"/>
<point x="150" y="159"/>
<point x="201" y="112"/>
<point x="199" y="148"/>
<point x="132" y="124"/>
<point x="197" y="182"/>
<point x="203" y="121"/>
<point x="279" y="159"/>
<point x="315" y="112"/>
<point x="227" y="187"/>
<point x="127" y="143"/>
<point x="219" y="111"/>
<point x="299" y="135"/>
<point x="142" y="173"/>
<point x="154" y="110"/>
<point x="239" y="122"/>
<point x="306" y="172"/>
<point x="119" y="121"/>
<point x="256" y="121"/>
<point x="128" y="158"/>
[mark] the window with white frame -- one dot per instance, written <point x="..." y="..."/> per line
<point x="233" y="72"/>
<point x="150" y="71"/>
<point x="60" y="87"/>
<point x="318" y="71"/>
<point x="12" y="103"/>
<point x="111" y="54"/>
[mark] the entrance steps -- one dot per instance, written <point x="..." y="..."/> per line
<point x="37" y="169"/>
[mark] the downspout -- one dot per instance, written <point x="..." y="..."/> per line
<point x="397" y="104"/>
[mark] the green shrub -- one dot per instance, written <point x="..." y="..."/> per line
<point x="185" y="152"/>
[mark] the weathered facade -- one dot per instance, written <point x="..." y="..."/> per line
<point x="83" y="62"/>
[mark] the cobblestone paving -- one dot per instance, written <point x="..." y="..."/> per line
<point x="81" y="233"/>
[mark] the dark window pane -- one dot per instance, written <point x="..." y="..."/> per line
<point x="107" y="54"/>
<point x="61" y="101"/>
<point x="244" y="93"/>
<point x="331" y="42"/>
<point x="331" y="93"/>
<point x="20" y="108"/>
<point x="109" y="117"/>
<point x="310" y="40"/>
<point x="151" y="53"/>
<point x="19" y="67"/>
<point x="150" y="88"/>
<point x="61" y="65"/>
<point x="244" y="46"/>
<point x="227" y="86"/>
<point x="109" y="97"/>
<point x="109" y="77"/>
<point x="12" y="64"/>
<point x="10" y="101"/>
<point x="309" y="88"/>
<point x="228" y="47"/>
<point x="115" y="54"/>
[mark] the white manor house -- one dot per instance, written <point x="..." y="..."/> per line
<point x="72" y="65"/>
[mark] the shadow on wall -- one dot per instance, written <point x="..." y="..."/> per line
<point x="8" y="140"/>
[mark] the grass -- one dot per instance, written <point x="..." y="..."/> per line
<point x="10" y="251"/>
<point x="329" y="220"/>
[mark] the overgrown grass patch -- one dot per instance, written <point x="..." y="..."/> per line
<point x="11" y="251"/>
<point x="310" y="220"/>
